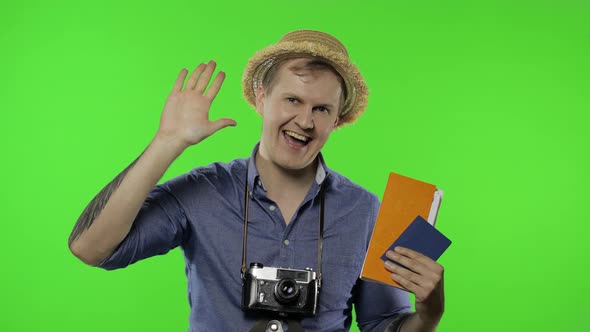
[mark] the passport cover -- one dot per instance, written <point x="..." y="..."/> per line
<point x="422" y="237"/>
<point x="403" y="200"/>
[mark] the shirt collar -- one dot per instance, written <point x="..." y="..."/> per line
<point x="255" y="180"/>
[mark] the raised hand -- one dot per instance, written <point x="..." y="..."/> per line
<point x="185" y="118"/>
<point x="423" y="277"/>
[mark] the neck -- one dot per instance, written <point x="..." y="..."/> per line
<point x="279" y="181"/>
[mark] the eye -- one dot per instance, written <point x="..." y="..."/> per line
<point x="291" y="99"/>
<point x="322" y="109"/>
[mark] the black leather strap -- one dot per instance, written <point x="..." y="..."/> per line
<point x="245" y="238"/>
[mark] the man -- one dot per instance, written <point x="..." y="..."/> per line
<point x="303" y="87"/>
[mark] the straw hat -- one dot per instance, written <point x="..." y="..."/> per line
<point x="306" y="43"/>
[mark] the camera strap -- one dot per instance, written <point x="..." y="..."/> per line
<point x="247" y="194"/>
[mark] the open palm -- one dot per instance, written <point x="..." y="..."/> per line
<point x="185" y="118"/>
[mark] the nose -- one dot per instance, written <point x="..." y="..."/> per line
<point x="304" y="118"/>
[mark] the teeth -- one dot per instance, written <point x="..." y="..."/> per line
<point x="297" y="136"/>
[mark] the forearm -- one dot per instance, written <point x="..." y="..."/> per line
<point x="107" y="219"/>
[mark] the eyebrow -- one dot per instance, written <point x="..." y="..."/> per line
<point x="292" y="95"/>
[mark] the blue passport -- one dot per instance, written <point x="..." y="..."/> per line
<point x="422" y="237"/>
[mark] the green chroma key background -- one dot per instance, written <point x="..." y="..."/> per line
<point x="487" y="100"/>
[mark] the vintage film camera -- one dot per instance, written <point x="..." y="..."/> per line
<point x="285" y="291"/>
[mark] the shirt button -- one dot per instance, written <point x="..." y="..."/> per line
<point x="259" y="183"/>
<point x="286" y="242"/>
<point x="272" y="207"/>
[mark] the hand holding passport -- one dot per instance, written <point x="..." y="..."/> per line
<point x="400" y="223"/>
<point x="422" y="237"/>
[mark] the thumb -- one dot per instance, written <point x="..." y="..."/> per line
<point x="222" y="123"/>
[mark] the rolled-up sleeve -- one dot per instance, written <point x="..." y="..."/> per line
<point x="160" y="226"/>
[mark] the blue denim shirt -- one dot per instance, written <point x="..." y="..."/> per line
<point x="202" y="212"/>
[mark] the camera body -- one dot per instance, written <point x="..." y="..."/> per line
<point x="284" y="291"/>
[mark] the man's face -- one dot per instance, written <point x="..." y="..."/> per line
<point x="298" y="115"/>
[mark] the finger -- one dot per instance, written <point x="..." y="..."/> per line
<point x="222" y="123"/>
<point x="413" y="282"/>
<point x="409" y="263"/>
<point x="180" y="80"/>
<point x="215" y="86"/>
<point x="426" y="283"/>
<point x="427" y="261"/>
<point x="407" y="274"/>
<point x="420" y="292"/>
<point x="192" y="80"/>
<point x="205" y="77"/>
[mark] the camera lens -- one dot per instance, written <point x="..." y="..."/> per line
<point x="286" y="291"/>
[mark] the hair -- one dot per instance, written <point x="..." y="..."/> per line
<point x="312" y="64"/>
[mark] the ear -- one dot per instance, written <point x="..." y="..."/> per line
<point x="260" y="95"/>
<point x="337" y="121"/>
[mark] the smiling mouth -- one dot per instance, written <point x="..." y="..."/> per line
<point x="297" y="138"/>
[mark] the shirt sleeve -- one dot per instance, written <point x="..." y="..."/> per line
<point x="378" y="305"/>
<point x="160" y="226"/>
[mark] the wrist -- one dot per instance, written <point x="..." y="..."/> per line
<point x="168" y="145"/>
